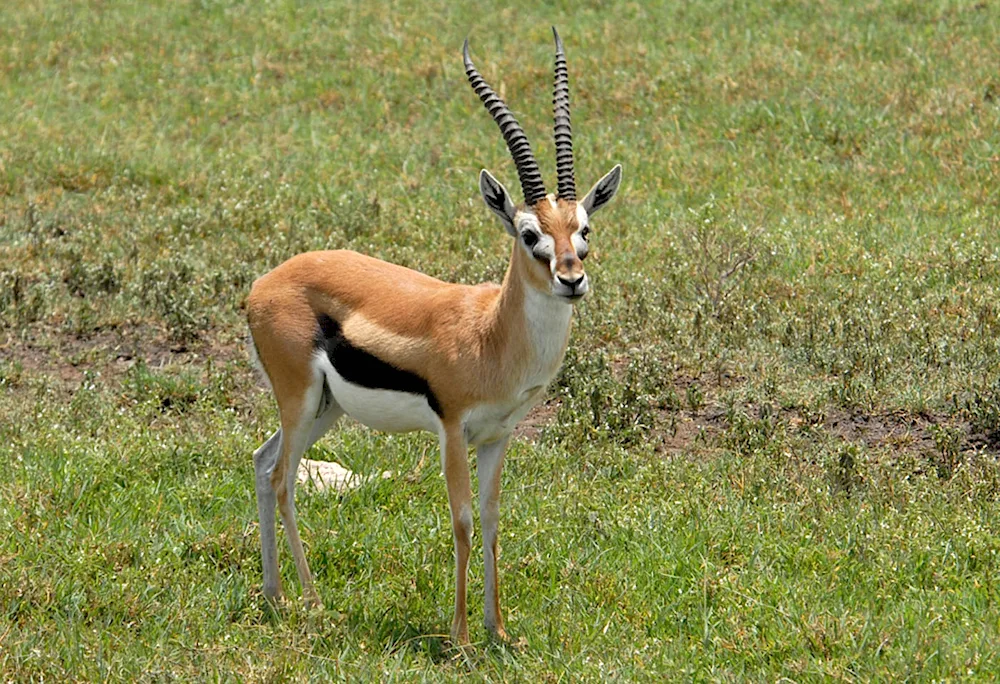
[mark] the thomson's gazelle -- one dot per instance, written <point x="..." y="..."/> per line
<point x="339" y="333"/>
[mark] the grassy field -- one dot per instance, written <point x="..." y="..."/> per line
<point x="773" y="449"/>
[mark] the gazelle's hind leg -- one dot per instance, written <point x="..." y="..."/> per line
<point x="302" y="423"/>
<point x="264" y="461"/>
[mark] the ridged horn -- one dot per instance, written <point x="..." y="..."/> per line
<point x="513" y="134"/>
<point x="563" y="130"/>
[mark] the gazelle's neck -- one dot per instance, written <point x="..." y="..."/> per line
<point x="536" y="324"/>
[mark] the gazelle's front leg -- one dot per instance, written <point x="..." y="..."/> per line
<point x="489" y="464"/>
<point x="455" y="458"/>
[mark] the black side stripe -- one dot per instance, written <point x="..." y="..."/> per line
<point x="362" y="368"/>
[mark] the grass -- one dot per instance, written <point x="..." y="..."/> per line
<point x="772" y="451"/>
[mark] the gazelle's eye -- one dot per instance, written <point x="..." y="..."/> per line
<point x="530" y="238"/>
<point x="585" y="233"/>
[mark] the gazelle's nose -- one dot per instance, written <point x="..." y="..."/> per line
<point x="572" y="281"/>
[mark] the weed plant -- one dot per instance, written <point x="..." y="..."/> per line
<point x="771" y="453"/>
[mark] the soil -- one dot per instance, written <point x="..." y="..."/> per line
<point x="111" y="352"/>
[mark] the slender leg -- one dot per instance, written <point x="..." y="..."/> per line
<point x="489" y="464"/>
<point x="455" y="455"/>
<point x="264" y="461"/>
<point x="298" y="428"/>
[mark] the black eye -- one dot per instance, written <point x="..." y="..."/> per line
<point x="585" y="233"/>
<point x="530" y="239"/>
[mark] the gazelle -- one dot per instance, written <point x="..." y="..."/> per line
<point x="337" y="332"/>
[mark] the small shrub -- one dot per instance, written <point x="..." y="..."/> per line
<point x="174" y="292"/>
<point x="721" y="256"/>
<point x="948" y="443"/>
<point x="852" y="392"/>
<point x="749" y="435"/>
<point x="596" y="402"/>
<point x="173" y="393"/>
<point x="982" y="411"/>
<point x="22" y="300"/>
<point x="843" y="469"/>
<point x="84" y="280"/>
<point x="11" y="373"/>
<point x="694" y="396"/>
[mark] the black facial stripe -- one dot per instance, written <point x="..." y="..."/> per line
<point x="362" y="368"/>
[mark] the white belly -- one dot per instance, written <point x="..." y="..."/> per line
<point x="381" y="409"/>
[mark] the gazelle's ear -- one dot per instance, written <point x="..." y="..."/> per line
<point x="603" y="190"/>
<point x="497" y="199"/>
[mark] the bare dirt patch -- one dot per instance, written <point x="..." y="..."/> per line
<point x="894" y="430"/>
<point x="42" y="352"/>
<point x="537" y="419"/>
<point x="66" y="358"/>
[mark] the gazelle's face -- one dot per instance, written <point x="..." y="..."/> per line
<point x="555" y="234"/>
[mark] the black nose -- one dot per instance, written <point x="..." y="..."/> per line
<point x="571" y="284"/>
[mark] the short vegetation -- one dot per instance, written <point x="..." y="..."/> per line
<point x="773" y="449"/>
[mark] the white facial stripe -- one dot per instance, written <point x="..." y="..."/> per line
<point x="545" y="248"/>
<point x="581" y="216"/>
<point x="583" y="221"/>
<point x="526" y="219"/>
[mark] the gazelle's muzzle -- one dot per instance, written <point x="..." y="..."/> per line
<point x="570" y="280"/>
<point x="572" y="288"/>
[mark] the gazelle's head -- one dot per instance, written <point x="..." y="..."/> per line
<point x="552" y="229"/>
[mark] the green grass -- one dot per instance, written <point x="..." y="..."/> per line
<point x="773" y="450"/>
